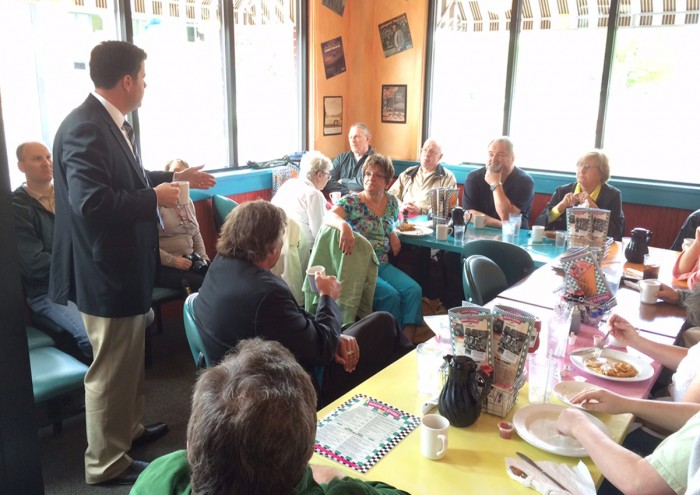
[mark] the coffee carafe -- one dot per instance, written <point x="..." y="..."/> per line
<point x="465" y="390"/>
<point x="638" y="245"/>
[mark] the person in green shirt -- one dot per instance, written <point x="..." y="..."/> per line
<point x="252" y="431"/>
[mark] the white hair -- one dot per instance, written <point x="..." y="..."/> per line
<point x="313" y="162"/>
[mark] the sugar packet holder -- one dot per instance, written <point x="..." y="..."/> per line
<point x="471" y="330"/>
<point x="587" y="226"/>
<point x="510" y="341"/>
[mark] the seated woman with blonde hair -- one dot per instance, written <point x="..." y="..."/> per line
<point x="183" y="256"/>
<point x="590" y="190"/>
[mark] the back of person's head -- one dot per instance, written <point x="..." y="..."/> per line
<point x="381" y="162"/>
<point x="110" y="61"/>
<point x="253" y="423"/>
<point x="313" y="162"/>
<point x="176" y="165"/>
<point x="251" y="231"/>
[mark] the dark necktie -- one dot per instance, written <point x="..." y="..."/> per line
<point x="132" y="139"/>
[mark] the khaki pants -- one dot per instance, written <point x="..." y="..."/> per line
<point x="113" y="393"/>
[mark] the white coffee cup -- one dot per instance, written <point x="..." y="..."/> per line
<point x="479" y="221"/>
<point x="429" y="361"/>
<point x="537" y="233"/>
<point x="687" y="242"/>
<point x="649" y="288"/>
<point x="184" y="196"/>
<point x="311" y="275"/>
<point x="441" y="232"/>
<point x="433" y="436"/>
<point x="335" y="196"/>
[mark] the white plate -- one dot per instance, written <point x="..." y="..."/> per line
<point x="536" y="424"/>
<point x="643" y="367"/>
<point x="565" y="391"/>
<point x="419" y="231"/>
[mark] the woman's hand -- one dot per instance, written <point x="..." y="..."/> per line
<point x="668" y="294"/>
<point x="348" y="353"/>
<point x="567" y="201"/>
<point x="623" y="331"/>
<point x="394" y="243"/>
<point x="347" y="239"/>
<point x="183" y="264"/>
<point x="601" y="400"/>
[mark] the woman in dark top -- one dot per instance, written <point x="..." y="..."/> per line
<point x="591" y="190"/>
<point x="241" y="299"/>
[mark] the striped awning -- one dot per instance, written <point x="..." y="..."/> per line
<point x="494" y="15"/>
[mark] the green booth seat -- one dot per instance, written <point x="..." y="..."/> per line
<point x="36" y="339"/>
<point x="54" y="374"/>
<point x="222" y="207"/>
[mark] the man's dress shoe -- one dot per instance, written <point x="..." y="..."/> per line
<point x="151" y="433"/>
<point x="128" y="477"/>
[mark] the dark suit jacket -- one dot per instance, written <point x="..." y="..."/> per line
<point x="105" y="254"/>
<point x="608" y="199"/>
<point x="239" y="300"/>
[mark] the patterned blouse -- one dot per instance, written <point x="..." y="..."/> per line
<point x="376" y="229"/>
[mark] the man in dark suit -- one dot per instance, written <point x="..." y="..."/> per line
<point x="105" y="255"/>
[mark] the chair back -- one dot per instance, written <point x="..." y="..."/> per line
<point x="222" y="207"/>
<point x="294" y="258"/>
<point x="485" y="278"/>
<point x="199" y="353"/>
<point x="514" y="261"/>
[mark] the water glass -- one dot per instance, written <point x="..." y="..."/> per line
<point x="508" y="232"/>
<point x="516" y="219"/>
<point x="541" y="370"/>
<point x="560" y="238"/>
<point x="429" y="362"/>
<point x="459" y="234"/>
<point x="558" y="330"/>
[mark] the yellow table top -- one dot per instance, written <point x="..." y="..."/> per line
<point x="475" y="461"/>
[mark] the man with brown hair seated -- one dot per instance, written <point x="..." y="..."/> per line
<point x="252" y="431"/>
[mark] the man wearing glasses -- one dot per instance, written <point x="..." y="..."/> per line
<point x="413" y="186"/>
<point x="500" y="189"/>
<point x="346" y="175"/>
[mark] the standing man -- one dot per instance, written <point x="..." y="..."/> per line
<point x="105" y="254"/>
<point x="413" y="186"/>
<point x="346" y="175"/>
<point x="34" y="208"/>
<point x="500" y="188"/>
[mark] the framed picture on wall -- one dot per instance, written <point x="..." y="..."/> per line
<point x="394" y="103"/>
<point x="395" y="35"/>
<point x="332" y="115"/>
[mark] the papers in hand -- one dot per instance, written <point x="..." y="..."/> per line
<point x="577" y="478"/>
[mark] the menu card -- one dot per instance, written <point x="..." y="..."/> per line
<point x="362" y="431"/>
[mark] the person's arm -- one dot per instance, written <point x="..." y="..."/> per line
<point x="688" y="259"/>
<point x="316" y="210"/>
<point x="629" y="472"/>
<point x="339" y="483"/>
<point x="521" y="193"/>
<point x="471" y="200"/>
<point x="34" y="257"/>
<point x="627" y="335"/>
<point x="335" y="217"/>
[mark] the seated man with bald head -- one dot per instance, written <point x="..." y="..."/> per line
<point x="413" y="186"/>
<point x="499" y="189"/>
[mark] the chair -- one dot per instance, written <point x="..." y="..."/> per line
<point x="54" y="374"/>
<point x="484" y="277"/>
<point x="515" y="262"/>
<point x="294" y="259"/>
<point x="199" y="353"/>
<point x="357" y="273"/>
<point x="222" y="207"/>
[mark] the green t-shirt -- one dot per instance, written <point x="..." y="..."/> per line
<point x="672" y="457"/>
<point x="170" y="475"/>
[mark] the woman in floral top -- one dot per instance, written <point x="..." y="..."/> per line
<point x="373" y="213"/>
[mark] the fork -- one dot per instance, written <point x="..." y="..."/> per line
<point x="598" y="349"/>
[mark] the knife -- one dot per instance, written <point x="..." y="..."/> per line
<point x="534" y="464"/>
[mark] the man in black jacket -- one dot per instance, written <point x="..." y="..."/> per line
<point x="346" y="175"/>
<point x="34" y="207"/>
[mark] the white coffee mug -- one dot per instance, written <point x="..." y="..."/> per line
<point x="335" y="196"/>
<point x="433" y="436"/>
<point x="479" y="221"/>
<point x="311" y="275"/>
<point x="687" y="242"/>
<point x="184" y="196"/>
<point x="441" y="232"/>
<point x="537" y="233"/>
<point x="649" y="288"/>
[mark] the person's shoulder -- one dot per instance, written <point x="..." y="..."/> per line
<point x="523" y="175"/>
<point x="610" y="187"/>
<point x="354" y="486"/>
<point x="479" y="171"/>
<point x="20" y="196"/>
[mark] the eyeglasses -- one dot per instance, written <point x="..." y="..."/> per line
<point x="429" y="152"/>
<point x="375" y="175"/>
<point x="586" y="166"/>
<point x="327" y="174"/>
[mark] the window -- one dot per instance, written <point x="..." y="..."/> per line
<point x="649" y="108"/>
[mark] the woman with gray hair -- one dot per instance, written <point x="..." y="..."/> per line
<point x="590" y="189"/>
<point x="302" y="199"/>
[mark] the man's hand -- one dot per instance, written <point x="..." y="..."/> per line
<point x="600" y="400"/>
<point x="167" y="194"/>
<point x="668" y="294"/>
<point x="623" y="331"/>
<point x="492" y="177"/>
<point x="328" y="286"/>
<point x="412" y="208"/>
<point x="569" y="419"/>
<point x="196" y="178"/>
<point x="348" y="353"/>
<point x="325" y="474"/>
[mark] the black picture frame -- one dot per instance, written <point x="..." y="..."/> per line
<point x="332" y="115"/>
<point x="394" y="102"/>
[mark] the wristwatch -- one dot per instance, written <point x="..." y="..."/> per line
<point x="495" y="186"/>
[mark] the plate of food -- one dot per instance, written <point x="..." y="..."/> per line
<point x="412" y="229"/>
<point x="614" y="365"/>
<point x="565" y="391"/>
<point x="537" y="425"/>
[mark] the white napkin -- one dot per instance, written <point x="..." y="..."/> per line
<point x="577" y="479"/>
